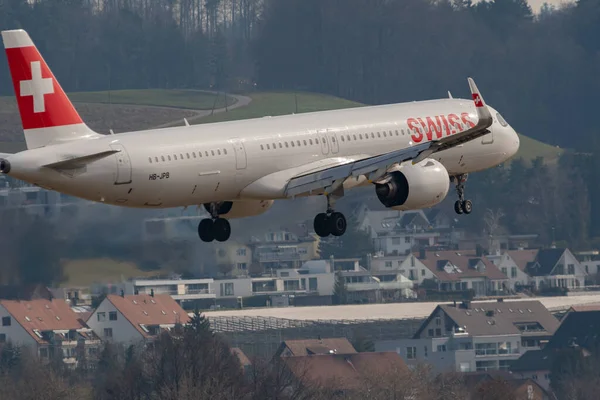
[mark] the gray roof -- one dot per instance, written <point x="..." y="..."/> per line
<point x="545" y="262"/>
<point x="500" y="318"/>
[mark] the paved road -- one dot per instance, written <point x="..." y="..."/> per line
<point x="383" y="311"/>
<point x="241" y="101"/>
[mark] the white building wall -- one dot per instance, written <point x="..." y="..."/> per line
<point x="122" y="330"/>
<point x="15" y="333"/>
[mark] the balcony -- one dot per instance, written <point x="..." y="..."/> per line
<point x="266" y="257"/>
<point x="188" y="294"/>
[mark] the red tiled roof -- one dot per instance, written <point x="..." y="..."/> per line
<point x="523" y="257"/>
<point x="344" y="371"/>
<point x="144" y="309"/>
<point x="43" y="315"/>
<point x="585" y="307"/>
<point x="319" y="346"/>
<point x="463" y="260"/>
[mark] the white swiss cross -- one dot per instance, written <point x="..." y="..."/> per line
<point x="37" y="87"/>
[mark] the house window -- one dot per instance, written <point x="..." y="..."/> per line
<point x="485" y="365"/>
<point x="241" y="266"/>
<point x="412" y="261"/>
<point x="108" y="333"/>
<point x="513" y="272"/>
<point x="396" y="241"/>
<point x="438" y="321"/>
<point x="407" y="239"/>
<point x="571" y="269"/>
<point x="425" y="351"/>
<point x="112" y="315"/>
<point x="227" y="289"/>
<point x="504" y="271"/>
<point x="44" y="352"/>
<point x="241" y="252"/>
<point x="2" y="338"/>
<point x="422" y="272"/>
<point x="6" y="321"/>
<point x="101" y="316"/>
<point x="312" y="284"/>
<point x="441" y="348"/>
<point x="388" y="264"/>
<point x="411" y="353"/>
<point x="504" y="365"/>
<point x="483" y="349"/>
<point x="560" y="269"/>
<point x="438" y="332"/>
<point x="430" y="332"/>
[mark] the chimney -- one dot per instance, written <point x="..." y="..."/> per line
<point x="422" y="253"/>
<point x="122" y="293"/>
<point x="500" y="300"/>
<point x="466" y="304"/>
<point x="454" y="303"/>
<point x="151" y="292"/>
<point x="136" y="291"/>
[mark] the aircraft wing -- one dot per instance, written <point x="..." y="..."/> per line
<point x="374" y="168"/>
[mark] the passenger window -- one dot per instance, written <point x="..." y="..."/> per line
<point x="188" y="155"/>
<point x="333" y="139"/>
<point x="156" y="159"/>
<point x="287" y="145"/>
<point x="372" y="135"/>
<point x="360" y="136"/>
<point x="194" y="154"/>
<point x="206" y="153"/>
<point x="397" y="132"/>
<point x="169" y="157"/>
<point x="348" y="137"/>
<point x="262" y="147"/>
<point x="310" y="141"/>
<point x="343" y="140"/>
<point x="317" y="141"/>
<point x="175" y="157"/>
<point x="384" y="134"/>
<point x="293" y="144"/>
<point x="225" y="151"/>
<point x="274" y="146"/>
<point x="163" y="158"/>
<point x="212" y="152"/>
<point x="181" y="156"/>
<point x="280" y="145"/>
<point x="219" y="151"/>
<point x="378" y="134"/>
<point x="150" y="160"/>
<point x="354" y="137"/>
<point x="305" y="142"/>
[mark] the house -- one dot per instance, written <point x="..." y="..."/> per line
<point x="345" y="372"/>
<point x="464" y="270"/>
<point x="387" y="268"/>
<point x="483" y="336"/>
<point x="579" y="331"/>
<point x="49" y="327"/>
<point x="284" y="249"/>
<point x="403" y="242"/>
<point x="363" y="287"/>
<point x="136" y="318"/>
<point x="520" y="388"/>
<point x="237" y="255"/>
<point x="307" y="347"/>
<point x="513" y="263"/>
<point x="555" y="268"/>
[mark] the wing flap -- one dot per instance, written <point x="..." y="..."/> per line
<point x="81" y="161"/>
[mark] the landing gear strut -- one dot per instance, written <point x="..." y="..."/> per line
<point x="331" y="222"/>
<point x="214" y="228"/>
<point x="462" y="206"/>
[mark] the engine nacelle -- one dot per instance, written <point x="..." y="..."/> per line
<point x="412" y="187"/>
<point x="242" y="208"/>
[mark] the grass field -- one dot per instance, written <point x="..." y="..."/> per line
<point x="188" y="99"/>
<point x="276" y="103"/>
<point x="85" y="272"/>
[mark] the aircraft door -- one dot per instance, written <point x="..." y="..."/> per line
<point x="123" y="164"/>
<point x="324" y="142"/>
<point x="240" y="154"/>
<point x="488" y="138"/>
<point x="333" y="140"/>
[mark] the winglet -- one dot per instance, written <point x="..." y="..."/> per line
<point x="483" y="113"/>
<point x="450" y="95"/>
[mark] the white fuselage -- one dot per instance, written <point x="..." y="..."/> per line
<point x="199" y="164"/>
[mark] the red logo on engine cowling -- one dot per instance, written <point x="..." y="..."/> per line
<point x="431" y="128"/>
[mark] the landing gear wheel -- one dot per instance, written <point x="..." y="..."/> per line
<point x="458" y="207"/>
<point x="221" y="229"/>
<point x="205" y="230"/>
<point x="467" y="206"/>
<point x="321" y="225"/>
<point x="337" y="224"/>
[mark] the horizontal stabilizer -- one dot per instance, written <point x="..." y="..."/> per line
<point x="78" y="162"/>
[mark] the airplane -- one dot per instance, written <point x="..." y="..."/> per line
<point x="409" y="152"/>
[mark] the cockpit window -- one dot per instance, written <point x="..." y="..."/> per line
<point x="501" y="120"/>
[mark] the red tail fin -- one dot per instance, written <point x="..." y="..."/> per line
<point x="47" y="113"/>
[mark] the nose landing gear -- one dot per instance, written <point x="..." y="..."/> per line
<point x="214" y="228"/>
<point x="462" y="206"/>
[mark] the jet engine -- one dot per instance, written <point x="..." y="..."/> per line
<point x="412" y="187"/>
<point x="241" y="208"/>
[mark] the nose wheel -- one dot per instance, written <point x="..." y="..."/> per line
<point x="462" y="206"/>
<point x="214" y="228"/>
<point x="330" y="223"/>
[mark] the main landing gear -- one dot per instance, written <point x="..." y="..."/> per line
<point x="462" y="206"/>
<point x="214" y="228"/>
<point x="330" y="222"/>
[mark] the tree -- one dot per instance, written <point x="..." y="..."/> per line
<point x="340" y="290"/>
<point x="225" y="268"/>
<point x="362" y="343"/>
